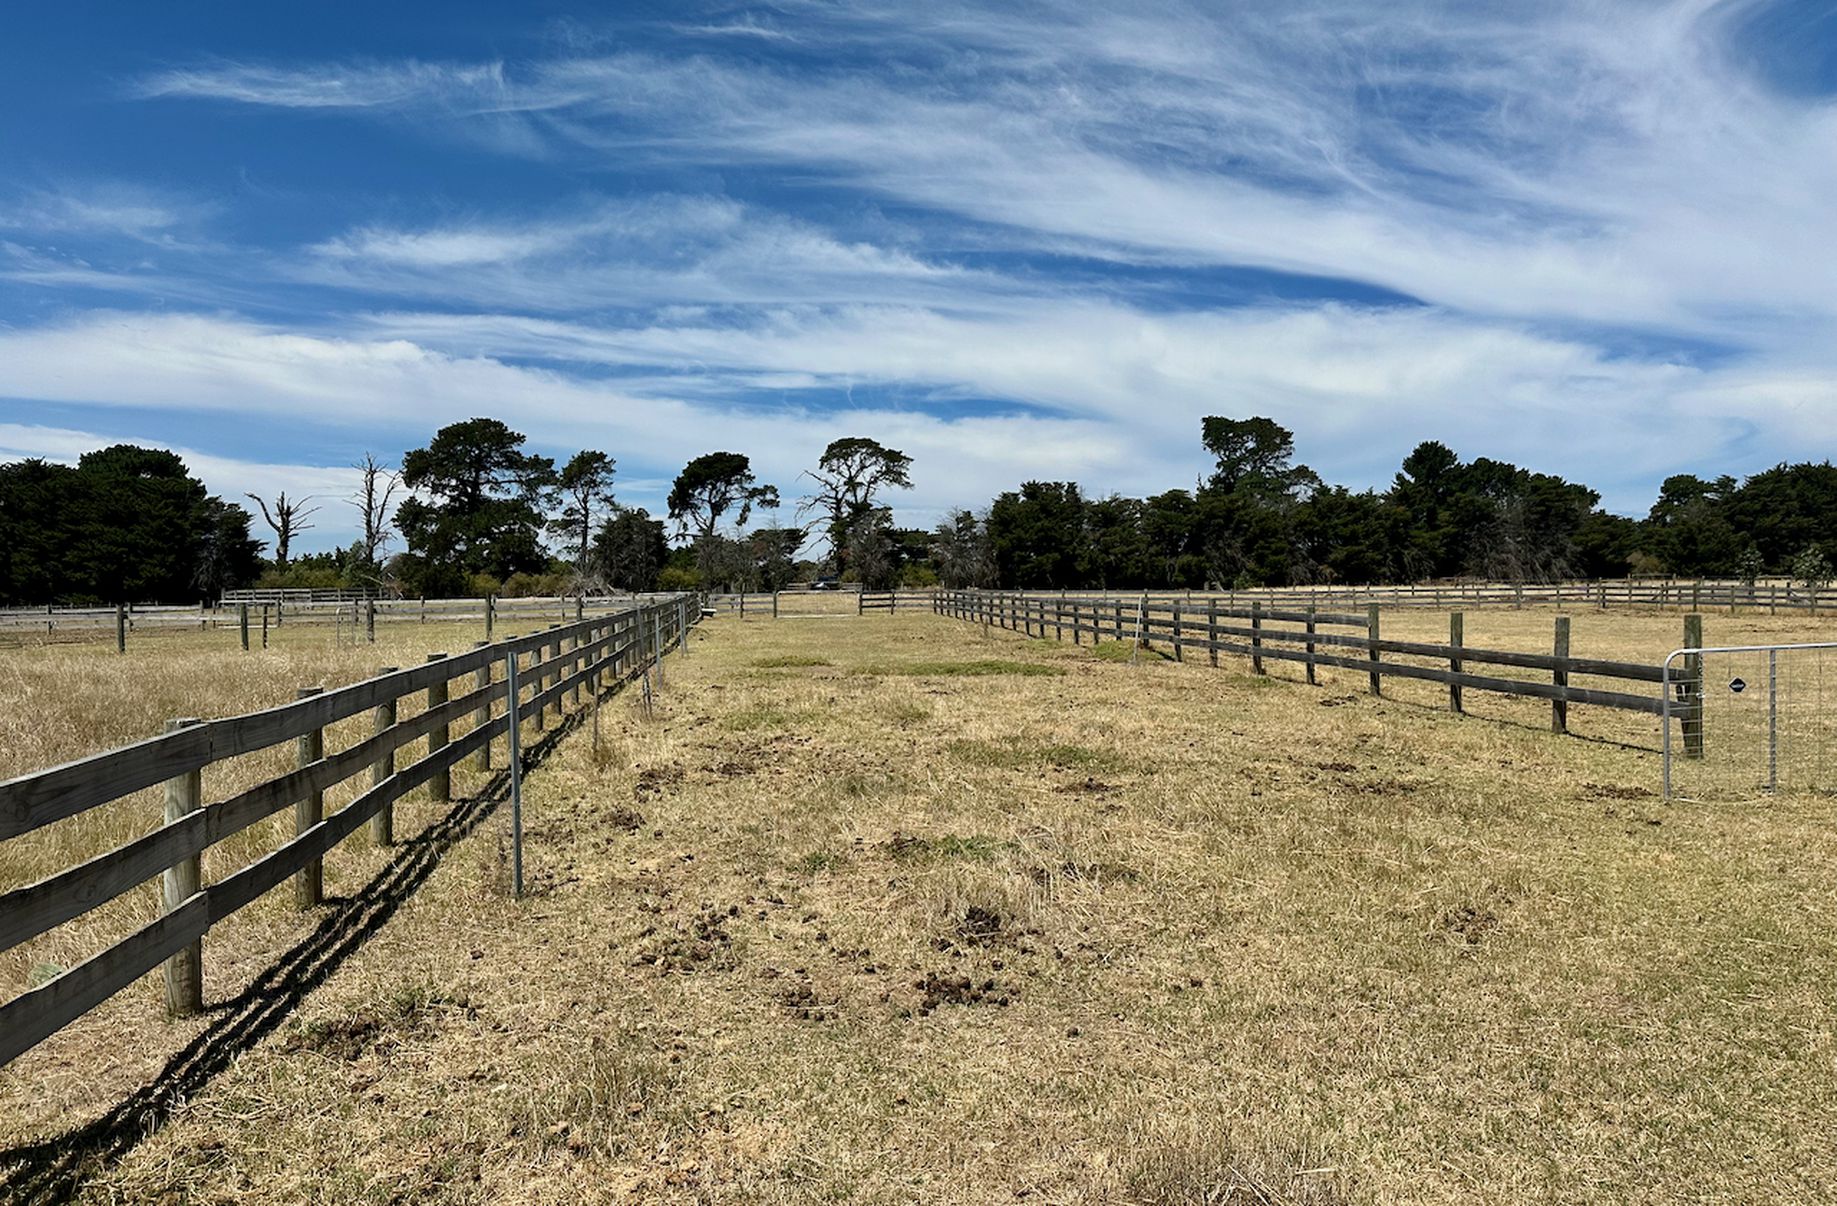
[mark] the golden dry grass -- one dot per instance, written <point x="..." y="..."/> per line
<point x="851" y="921"/>
<point x="66" y="700"/>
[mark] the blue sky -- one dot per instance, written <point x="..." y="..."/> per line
<point x="1017" y="241"/>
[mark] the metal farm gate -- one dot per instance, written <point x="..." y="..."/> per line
<point x="1751" y="720"/>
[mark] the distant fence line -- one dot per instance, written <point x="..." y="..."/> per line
<point x="776" y="603"/>
<point x="1315" y="638"/>
<point x="291" y="594"/>
<point x="553" y="664"/>
<point x="1770" y="595"/>
<point x="1773" y="596"/>
<point x="253" y="620"/>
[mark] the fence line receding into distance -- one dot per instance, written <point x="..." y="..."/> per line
<point x="588" y="653"/>
<point x="1313" y="638"/>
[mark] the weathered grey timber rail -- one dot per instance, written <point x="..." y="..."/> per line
<point x="1210" y="626"/>
<point x="601" y="650"/>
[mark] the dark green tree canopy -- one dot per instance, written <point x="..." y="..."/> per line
<point x="849" y="476"/>
<point x="478" y="508"/>
<point x="1252" y="455"/>
<point x="585" y="486"/>
<point x="125" y="525"/>
<point x="713" y="484"/>
<point x="630" y="550"/>
<point x="1037" y="535"/>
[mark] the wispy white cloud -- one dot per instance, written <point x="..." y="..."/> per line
<point x="1544" y="177"/>
<point x="357" y="86"/>
<point x="233" y="479"/>
<point x="207" y="364"/>
<point x="655" y="251"/>
<point x="1102" y="394"/>
<point x="1610" y="164"/>
<point x="128" y="211"/>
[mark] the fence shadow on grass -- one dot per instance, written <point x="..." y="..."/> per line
<point x="54" y="1169"/>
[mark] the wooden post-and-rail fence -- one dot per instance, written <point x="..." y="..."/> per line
<point x="1357" y="646"/>
<point x="551" y="664"/>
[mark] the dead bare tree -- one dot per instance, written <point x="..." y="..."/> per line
<point x="287" y="520"/>
<point x="375" y="494"/>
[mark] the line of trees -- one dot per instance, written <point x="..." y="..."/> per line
<point x="479" y="514"/>
<point x="122" y="524"/>
<point x="1260" y="519"/>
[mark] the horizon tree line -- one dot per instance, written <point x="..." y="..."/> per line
<point x="477" y="514"/>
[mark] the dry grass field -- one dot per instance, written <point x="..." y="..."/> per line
<point x="893" y="909"/>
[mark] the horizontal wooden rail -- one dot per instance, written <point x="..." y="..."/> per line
<point x="567" y="657"/>
<point x="1185" y="625"/>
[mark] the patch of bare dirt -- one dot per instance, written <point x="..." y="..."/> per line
<point x="1470" y="922"/>
<point x="938" y="989"/>
<point x="1090" y="786"/>
<point x="654" y="781"/>
<point x="700" y="943"/>
<point x="1618" y="791"/>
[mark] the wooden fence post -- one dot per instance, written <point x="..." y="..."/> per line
<point x="121" y="628"/>
<point x="382" y="719"/>
<point x="264" y="625"/>
<point x="309" y="810"/>
<point x="481" y="680"/>
<point x="440" y="785"/>
<point x="1077" y="619"/>
<point x="1119" y="621"/>
<point x="1179" y="643"/>
<point x="1559" y="708"/>
<point x="1256" y="636"/>
<point x="1313" y="676"/>
<point x="1371" y="647"/>
<point x="370" y="620"/>
<point x="1457" y="636"/>
<point x="242" y="623"/>
<point x="1212" y="630"/>
<point x="491" y="615"/>
<point x="179" y="883"/>
<point x="1693" y="687"/>
<point x="774" y="606"/>
<point x="573" y="664"/>
<point x="538" y="681"/>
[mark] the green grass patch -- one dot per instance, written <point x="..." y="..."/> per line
<point x="816" y="862"/>
<point x="1022" y="754"/>
<point x="764" y="716"/>
<point x="976" y="669"/>
<point x="1122" y="651"/>
<point x="977" y="847"/>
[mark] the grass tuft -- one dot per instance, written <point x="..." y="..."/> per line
<point x="1123" y="651"/>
